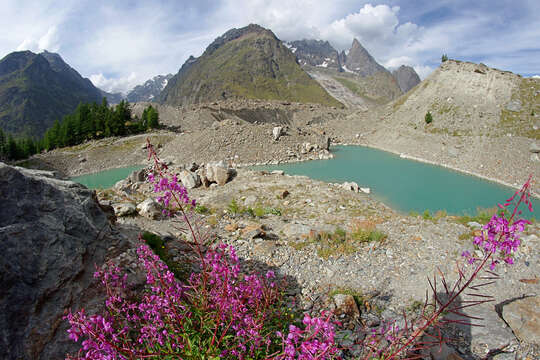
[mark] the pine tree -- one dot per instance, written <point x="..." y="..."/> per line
<point x="2" y="145"/>
<point x="11" y="149"/>
<point x="121" y="115"/>
<point x="153" y="118"/>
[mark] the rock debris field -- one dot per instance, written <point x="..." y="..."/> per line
<point x="316" y="235"/>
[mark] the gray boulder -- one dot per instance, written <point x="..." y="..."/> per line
<point x="218" y="173"/>
<point x="352" y="186"/>
<point x="514" y="105"/>
<point x="534" y="148"/>
<point x="149" y="208"/>
<point x="138" y="176"/>
<point x="122" y="185"/>
<point x="324" y="143"/>
<point x="277" y="132"/>
<point x="52" y="232"/>
<point x="295" y="231"/>
<point x="189" y="179"/>
<point x="124" y="209"/>
<point x="523" y="316"/>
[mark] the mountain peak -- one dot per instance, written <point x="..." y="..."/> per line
<point x="406" y="77"/>
<point x="55" y="60"/>
<point x="360" y="61"/>
<point x="250" y="62"/>
<point x="16" y="61"/>
<point x="37" y="89"/>
<point x="235" y="34"/>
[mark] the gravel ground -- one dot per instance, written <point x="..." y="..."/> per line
<point x="390" y="274"/>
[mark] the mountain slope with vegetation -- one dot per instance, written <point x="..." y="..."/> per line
<point x="244" y="63"/>
<point x="37" y="89"/>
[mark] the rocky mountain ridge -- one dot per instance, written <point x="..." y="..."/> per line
<point x="315" y="53"/>
<point x="150" y="90"/>
<point x="37" y="89"/>
<point x="354" y="78"/>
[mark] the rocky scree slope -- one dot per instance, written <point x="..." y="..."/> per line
<point x="244" y="63"/>
<point x="465" y="97"/>
<point x="37" y="89"/>
<point x="387" y="275"/>
<point x="240" y="131"/>
<point x="357" y="80"/>
<point x="52" y="233"/>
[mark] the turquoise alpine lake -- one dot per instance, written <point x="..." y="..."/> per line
<point x="105" y="179"/>
<point x="405" y="185"/>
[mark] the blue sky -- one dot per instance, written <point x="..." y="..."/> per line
<point x="119" y="44"/>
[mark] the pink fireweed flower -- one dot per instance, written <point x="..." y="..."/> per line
<point x="218" y="310"/>
<point x="500" y="237"/>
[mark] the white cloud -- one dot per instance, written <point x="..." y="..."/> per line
<point x="396" y="62"/>
<point x="116" y="84"/>
<point x="147" y="38"/>
<point x="49" y="41"/>
<point x="370" y="24"/>
<point x="376" y="27"/>
<point x="423" y="71"/>
<point x="28" y="44"/>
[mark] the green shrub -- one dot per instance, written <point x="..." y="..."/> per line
<point x="234" y="207"/>
<point x="259" y="211"/>
<point x="157" y="245"/>
<point x="482" y="216"/>
<point x="201" y="209"/>
<point x="444" y="58"/>
<point x="428" y="118"/>
<point x="273" y="211"/>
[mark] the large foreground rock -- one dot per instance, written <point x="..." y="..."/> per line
<point x="52" y="232"/>
<point x="523" y="316"/>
